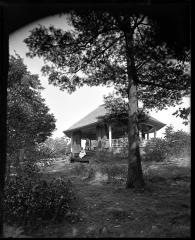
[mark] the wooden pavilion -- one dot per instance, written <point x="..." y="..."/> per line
<point x="92" y="127"/>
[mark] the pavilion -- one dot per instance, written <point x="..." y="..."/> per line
<point x="92" y="127"/>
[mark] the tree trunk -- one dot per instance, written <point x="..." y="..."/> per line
<point x="135" y="175"/>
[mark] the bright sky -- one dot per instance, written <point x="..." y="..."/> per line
<point x="67" y="108"/>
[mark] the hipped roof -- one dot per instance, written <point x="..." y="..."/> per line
<point x="94" y="117"/>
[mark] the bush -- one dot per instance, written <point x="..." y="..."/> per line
<point x="29" y="170"/>
<point x="155" y="150"/>
<point x="114" y="171"/>
<point x="175" y="144"/>
<point x="178" y="143"/>
<point x="28" y="199"/>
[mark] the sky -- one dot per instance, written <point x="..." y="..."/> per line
<point x="70" y="108"/>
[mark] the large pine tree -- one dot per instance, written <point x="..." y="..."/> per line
<point x="118" y="47"/>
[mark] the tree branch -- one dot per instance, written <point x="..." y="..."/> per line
<point x="93" y="37"/>
<point x="100" y="53"/>
<point x="158" y="85"/>
<point x="142" y="40"/>
<point x="143" y="63"/>
<point x="135" y="21"/>
<point x="139" y="22"/>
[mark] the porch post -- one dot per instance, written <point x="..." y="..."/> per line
<point x="76" y="143"/>
<point x="110" y="136"/>
<point x="147" y="136"/>
<point x="101" y="136"/>
<point x="89" y="144"/>
<point x="154" y="133"/>
<point x="143" y="135"/>
<point x="98" y="135"/>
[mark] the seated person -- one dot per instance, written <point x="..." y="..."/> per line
<point x="82" y="153"/>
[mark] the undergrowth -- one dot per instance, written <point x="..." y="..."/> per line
<point x="175" y="144"/>
<point x="29" y="200"/>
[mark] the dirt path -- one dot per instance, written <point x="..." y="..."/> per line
<point x="110" y="210"/>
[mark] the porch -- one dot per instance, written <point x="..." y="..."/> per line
<point x="106" y="136"/>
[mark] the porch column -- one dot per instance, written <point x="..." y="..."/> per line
<point x="147" y="136"/>
<point x="110" y="136"/>
<point x="76" y="143"/>
<point x="154" y="133"/>
<point x="143" y="135"/>
<point x="88" y="141"/>
<point x="101" y="136"/>
<point x="89" y="144"/>
<point x="98" y="134"/>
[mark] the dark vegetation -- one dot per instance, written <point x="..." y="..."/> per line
<point x="30" y="200"/>
<point x="89" y="200"/>
<point x="29" y="122"/>
<point x="104" y="208"/>
<point x="175" y="144"/>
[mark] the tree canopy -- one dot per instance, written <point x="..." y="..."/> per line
<point x="28" y="118"/>
<point x="98" y="51"/>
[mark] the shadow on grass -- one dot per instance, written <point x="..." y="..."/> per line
<point x="161" y="209"/>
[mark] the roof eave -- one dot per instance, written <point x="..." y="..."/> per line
<point x="69" y="131"/>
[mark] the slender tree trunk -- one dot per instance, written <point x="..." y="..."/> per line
<point x="135" y="176"/>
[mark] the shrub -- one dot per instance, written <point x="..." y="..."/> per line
<point x="114" y="171"/>
<point x="175" y="144"/>
<point x="28" y="199"/>
<point x="29" y="170"/>
<point x="178" y="143"/>
<point x="155" y="150"/>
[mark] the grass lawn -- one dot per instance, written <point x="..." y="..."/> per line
<point x="162" y="209"/>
